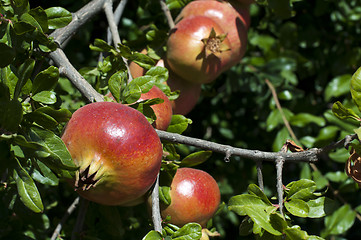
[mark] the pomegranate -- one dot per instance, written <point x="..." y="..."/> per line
<point x="198" y="50"/>
<point x="195" y="197"/>
<point x="232" y="22"/>
<point x="118" y="153"/>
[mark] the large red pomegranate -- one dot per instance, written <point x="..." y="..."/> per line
<point x="195" y="197"/>
<point x="118" y="153"/>
<point x="198" y="49"/>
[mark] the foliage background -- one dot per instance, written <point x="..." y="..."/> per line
<point x="308" y="50"/>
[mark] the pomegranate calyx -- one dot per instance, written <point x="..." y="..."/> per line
<point x="214" y="43"/>
<point x="84" y="181"/>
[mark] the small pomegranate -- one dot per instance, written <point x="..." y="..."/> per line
<point x="195" y="197"/>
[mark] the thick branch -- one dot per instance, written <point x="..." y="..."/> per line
<point x="67" y="69"/>
<point x="279" y="185"/>
<point x="79" y="19"/>
<point x="311" y="155"/>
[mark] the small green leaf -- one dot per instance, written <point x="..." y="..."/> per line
<point x="344" y="113"/>
<point x="41" y="18"/>
<point x="302" y="119"/>
<point x="58" y="17"/>
<point x="319" y="207"/>
<point x="117" y="82"/>
<point x="255" y="190"/>
<point x="7" y="55"/>
<point x="44" y="175"/>
<point x="142" y="60"/>
<point x="23" y="74"/>
<point x="46" y="97"/>
<point x="101" y="46"/>
<point x="238" y="204"/>
<point x="190" y="231"/>
<point x="178" y="124"/>
<point x="164" y="195"/>
<point x="27" y="189"/>
<point x="46" y="80"/>
<point x="355" y="88"/>
<point x="340" y="221"/>
<point x="338" y="86"/>
<point x="302" y="189"/>
<point x="297" y="207"/>
<point x="195" y="159"/>
<point x="261" y="218"/>
<point x="59" y="155"/>
<point x="295" y="233"/>
<point x="153" y="235"/>
<point x="11" y="114"/>
<point x="160" y="74"/>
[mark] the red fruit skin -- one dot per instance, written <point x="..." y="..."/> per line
<point x="119" y="146"/>
<point x="195" y="197"/>
<point x="232" y="22"/>
<point x="186" y="53"/>
<point x="189" y="94"/>
<point x="163" y="111"/>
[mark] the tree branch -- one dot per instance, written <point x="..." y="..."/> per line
<point x="156" y="218"/>
<point x="279" y="185"/>
<point x="117" y="15"/>
<point x="167" y="13"/>
<point x="67" y="69"/>
<point x="79" y="19"/>
<point x="65" y="218"/>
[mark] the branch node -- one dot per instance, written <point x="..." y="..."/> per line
<point x="228" y="155"/>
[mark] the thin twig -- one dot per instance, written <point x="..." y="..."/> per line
<point x="279" y="185"/>
<point x="114" y="30"/>
<point x="156" y="218"/>
<point x="259" y="174"/>
<point x="167" y="13"/>
<point x="285" y="121"/>
<point x="117" y="16"/>
<point x="80" y="219"/>
<point x="68" y="212"/>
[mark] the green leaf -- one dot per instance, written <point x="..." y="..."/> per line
<point x="275" y="118"/>
<point x="190" y="231"/>
<point x="340" y="221"/>
<point x="297" y="207"/>
<point x="164" y="195"/>
<point x="338" y="86"/>
<point x="238" y="204"/>
<point x="58" y="17"/>
<point x="153" y="235"/>
<point x="27" y="189"/>
<point x="302" y="189"/>
<point x="46" y="80"/>
<point x="28" y="18"/>
<point x="295" y="233"/>
<point x="11" y="114"/>
<point x="23" y="74"/>
<point x="337" y="176"/>
<point x="7" y="55"/>
<point x="46" y="97"/>
<point x="261" y="218"/>
<point x="159" y="74"/>
<point x="355" y="88"/>
<point x="195" y="159"/>
<point x="40" y="17"/>
<point x="255" y="190"/>
<point x="344" y="113"/>
<point x="101" y="46"/>
<point x="59" y="155"/>
<point x="142" y="60"/>
<point x="302" y="119"/>
<point x="178" y="124"/>
<point x="117" y="82"/>
<point x="44" y="175"/>
<point x="319" y="207"/>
